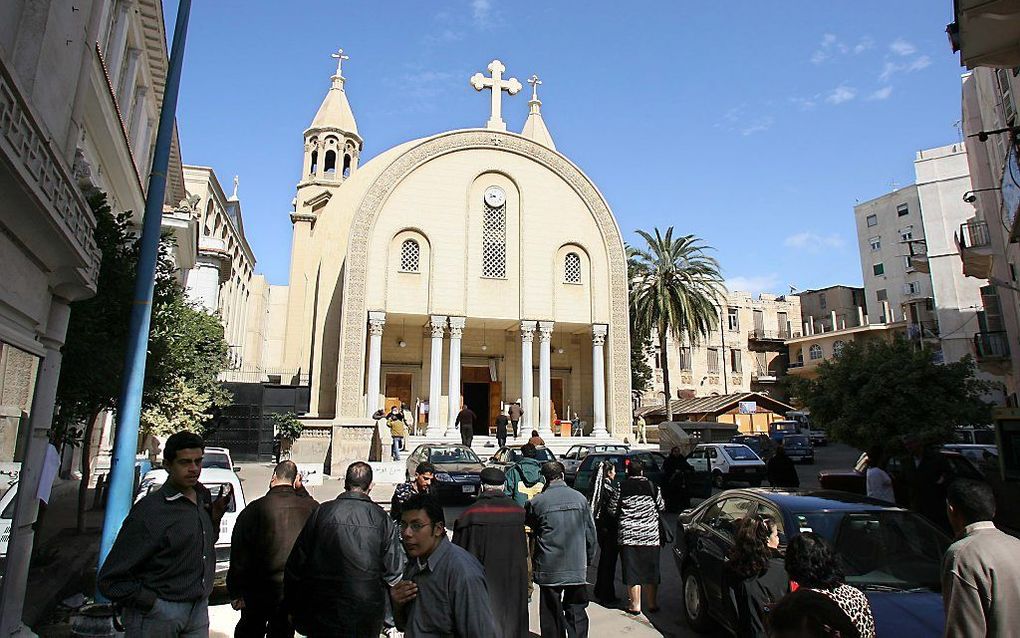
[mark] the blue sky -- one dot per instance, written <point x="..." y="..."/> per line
<point x="754" y="125"/>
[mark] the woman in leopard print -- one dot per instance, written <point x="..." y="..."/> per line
<point x="811" y="564"/>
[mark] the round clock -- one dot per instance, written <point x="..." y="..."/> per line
<point x="494" y="196"/>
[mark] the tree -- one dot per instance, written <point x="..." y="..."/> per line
<point x="880" y="393"/>
<point x="674" y="288"/>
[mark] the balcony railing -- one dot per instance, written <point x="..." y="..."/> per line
<point x="769" y="335"/>
<point x="974" y="234"/>
<point x="991" y="346"/>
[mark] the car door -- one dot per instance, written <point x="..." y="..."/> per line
<point x="714" y="544"/>
<point x="699" y="484"/>
<point x="570" y="460"/>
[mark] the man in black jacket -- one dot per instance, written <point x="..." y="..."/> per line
<point x="263" y="536"/>
<point x="349" y="552"/>
<point x="781" y="470"/>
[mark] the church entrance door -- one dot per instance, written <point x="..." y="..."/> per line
<point x="556" y="394"/>
<point x="476" y="397"/>
<point x="398" y="390"/>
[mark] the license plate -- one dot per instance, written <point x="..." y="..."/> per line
<point x="468" y="489"/>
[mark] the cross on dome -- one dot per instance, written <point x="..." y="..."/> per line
<point x="339" y="57"/>
<point x="497" y="85"/>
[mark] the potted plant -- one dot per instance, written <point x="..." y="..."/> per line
<point x="288" y="429"/>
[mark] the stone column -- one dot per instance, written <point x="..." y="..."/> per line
<point x="437" y="324"/>
<point x="128" y="81"/>
<point x="545" y="329"/>
<point x="598" y="378"/>
<point x="453" y="391"/>
<point x="376" y="321"/>
<point x="22" y="537"/>
<point x="114" y="52"/>
<point x="527" y="337"/>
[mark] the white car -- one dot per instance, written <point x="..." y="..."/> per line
<point x="577" y="453"/>
<point x="728" y="462"/>
<point x="215" y="479"/>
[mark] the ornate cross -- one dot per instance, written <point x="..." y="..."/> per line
<point x="339" y="57"/>
<point x="497" y="85"/>
<point x="534" y="82"/>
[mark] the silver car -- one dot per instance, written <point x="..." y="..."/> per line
<point x="577" y="453"/>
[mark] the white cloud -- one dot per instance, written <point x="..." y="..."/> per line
<point x="831" y="46"/>
<point x="864" y="44"/>
<point x="480" y="10"/>
<point x="805" y="103"/>
<point x="920" y="63"/>
<point x="445" y="36"/>
<point x="890" y="69"/>
<point x="813" y="242"/>
<point x="841" y="94"/>
<point x="881" y="94"/>
<point x="754" y="284"/>
<point x="758" y="125"/>
<point x="901" y="47"/>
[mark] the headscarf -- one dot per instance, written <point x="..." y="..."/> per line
<point x="598" y="492"/>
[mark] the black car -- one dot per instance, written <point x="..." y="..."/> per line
<point x="892" y="554"/>
<point x="508" y="455"/>
<point x="458" y="469"/>
<point x="762" y="445"/>
<point x="652" y="462"/>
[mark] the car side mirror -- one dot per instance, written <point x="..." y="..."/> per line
<point x="237" y="468"/>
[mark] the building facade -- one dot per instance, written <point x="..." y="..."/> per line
<point x="746" y="354"/>
<point x="831" y="308"/>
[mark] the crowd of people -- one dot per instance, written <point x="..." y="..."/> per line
<point x="348" y="568"/>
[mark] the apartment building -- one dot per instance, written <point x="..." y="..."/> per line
<point x="831" y="308"/>
<point x="746" y="354"/>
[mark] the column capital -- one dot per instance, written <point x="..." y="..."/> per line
<point x="376" y="321"/>
<point x="457" y="327"/>
<point x="598" y="334"/>
<point x="437" y="324"/>
<point x="545" y="329"/>
<point x="528" y="330"/>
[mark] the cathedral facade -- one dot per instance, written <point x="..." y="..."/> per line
<point x="474" y="267"/>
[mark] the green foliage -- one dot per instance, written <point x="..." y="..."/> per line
<point x="640" y="371"/>
<point x="881" y="393"/>
<point x="674" y="288"/>
<point x="287" y="425"/>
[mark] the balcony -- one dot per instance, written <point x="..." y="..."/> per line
<point x="985" y="32"/>
<point x="762" y="335"/>
<point x="764" y="376"/>
<point x="991" y="346"/>
<point x="975" y="249"/>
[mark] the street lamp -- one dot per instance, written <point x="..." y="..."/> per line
<point x="970" y="196"/>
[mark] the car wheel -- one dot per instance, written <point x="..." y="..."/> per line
<point x="718" y="479"/>
<point x="695" y="603"/>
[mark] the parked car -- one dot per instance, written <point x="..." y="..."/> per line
<point x="779" y="429"/>
<point x="458" y="469"/>
<point x="852" y="481"/>
<point x="892" y="554"/>
<point x="216" y="479"/>
<point x="817" y="435"/>
<point x="508" y="455"/>
<point x="975" y="452"/>
<point x="762" y="445"/>
<point x="7" y="503"/>
<point x="219" y="457"/>
<point x="977" y="435"/>
<point x="577" y="453"/>
<point x="726" y="462"/>
<point x="652" y="462"/>
<point x="798" y="448"/>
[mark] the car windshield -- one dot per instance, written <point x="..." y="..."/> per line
<point x="441" y="455"/>
<point x="215" y="489"/>
<point x="883" y="548"/>
<point x="216" y="460"/>
<point x="542" y="454"/>
<point x="795" y="440"/>
<point x="740" y="453"/>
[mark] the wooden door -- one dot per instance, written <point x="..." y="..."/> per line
<point x="495" y="398"/>
<point x="556" y="394"/>
<point x="398" y="390"/>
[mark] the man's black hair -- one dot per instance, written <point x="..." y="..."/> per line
<point x="529" y="450"/>
<point x="972" y="499"/>
<point x="181" y="441"/>
<point x="425" y="468"/>
<point x="286" y="471"/>
<point x="811" y="563"/>
<point x="552" y="470"/>
<point x="359" y="476"/>
<point x="635" y="468"/>
<point x="425" y="502"/>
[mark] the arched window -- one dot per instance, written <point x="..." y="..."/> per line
<point x="410" y="252"/>
<point x="347" y="166"/>
<point x="315" y="163"/>
<point x="815" y="352"/>
<point x="837" y="348"/>
<point x="572" y="268"/>
<point x="330" y="164"/>
<point x="494" y="242"/>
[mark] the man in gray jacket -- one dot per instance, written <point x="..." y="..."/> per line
<point x="564" y="547"/>
<point x="980" y="573"/>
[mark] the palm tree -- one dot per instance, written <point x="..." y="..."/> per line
<point x="674" y="287"/>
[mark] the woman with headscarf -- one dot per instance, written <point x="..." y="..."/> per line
<point x="606" y="531"/>
<point x="638" y="506"/>
<point x="754" y="576"/>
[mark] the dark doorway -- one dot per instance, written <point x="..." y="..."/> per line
<point x="476" y="397"/>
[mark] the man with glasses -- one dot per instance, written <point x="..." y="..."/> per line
<point x="443" y="592"/>
<point x="343" y="560"/>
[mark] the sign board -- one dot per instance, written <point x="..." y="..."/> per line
<point x="747" y="407"/>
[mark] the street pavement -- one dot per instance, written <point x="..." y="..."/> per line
<point x="604" y="621"/>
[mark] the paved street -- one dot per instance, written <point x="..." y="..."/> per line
<point x="605" y="622"/>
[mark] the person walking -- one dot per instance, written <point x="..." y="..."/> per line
<point x="638" y="505"/>
<point x="424" y="474"/>
<point x="536" y="440"/>
<point x="263" y="536"/>
<point x="466" y="420"/>
<point x="492" y="530"/>
<point x="811" y="564"/>
<point x="502" y="421"/>
<point x="927" y="475"/>
<point x="606" y="531"/>
<point x="443" y="591"/>
<point x="398" y="430"/>
<point x="754" y="575"/>
<point x="877" y="481"/>
<point x="564" y="547"/>
<point x="675" y="474"/>
<point x="640" y="429"/>
<point x="162" y="563"/>
<point x="781" y="471"/>
<point x="515" y="412"/>
<point x="346" y="555"/>
<point x="980" y="572"/>
<point x="524" y="479"/>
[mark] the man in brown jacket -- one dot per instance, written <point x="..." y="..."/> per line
<point x="263" y="537"/>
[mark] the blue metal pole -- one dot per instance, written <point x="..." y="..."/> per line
<point x="129" y="407"/>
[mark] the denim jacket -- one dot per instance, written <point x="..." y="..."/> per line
<point x="564" y="535"/>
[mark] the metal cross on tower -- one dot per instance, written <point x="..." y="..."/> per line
<point x="339" y="57"/>
<point x="497" y="84"/>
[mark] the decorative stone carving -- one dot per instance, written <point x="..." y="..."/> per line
<point x="437" y="328"/>
<point x="375" y="325"/>
<point x="545" y="330"/>
<point x="457" y="327"/>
